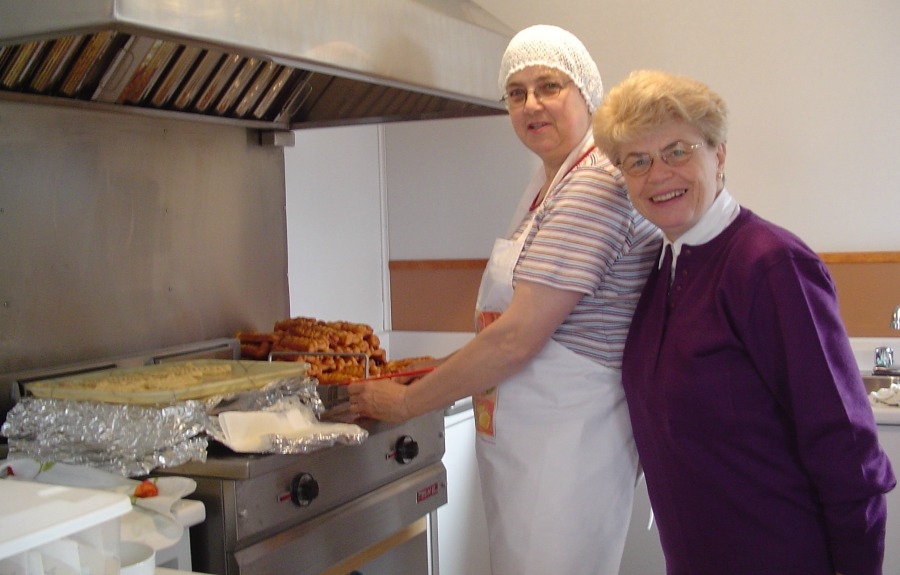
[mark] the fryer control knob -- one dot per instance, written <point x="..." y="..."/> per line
<point x="304" y="488"/>
<point x="406" y="448"/>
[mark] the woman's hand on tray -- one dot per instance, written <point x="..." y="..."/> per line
<point x="383" y="399"/>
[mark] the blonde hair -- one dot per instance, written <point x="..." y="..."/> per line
<point x="648" y="99"/>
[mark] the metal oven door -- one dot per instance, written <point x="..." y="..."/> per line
<point x="350" y="536"/>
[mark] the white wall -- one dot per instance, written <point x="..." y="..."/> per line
<point x="448" y="188"/>
<point x="452" y="186"/>
<point x="336" y="256"/>
<point x="811" y="84"/>
<point x="813" y="145"/>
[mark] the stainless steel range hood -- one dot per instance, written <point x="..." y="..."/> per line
<point x="271" y="64"/>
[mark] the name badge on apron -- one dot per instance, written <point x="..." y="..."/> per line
<point x="494" y="296"/>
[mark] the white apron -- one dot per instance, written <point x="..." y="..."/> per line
<point x="555" y="452"/>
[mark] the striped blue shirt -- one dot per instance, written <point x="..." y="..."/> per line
<point x="587" y="237"/>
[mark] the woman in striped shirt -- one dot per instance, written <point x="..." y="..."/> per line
<point x="555" y="450"/>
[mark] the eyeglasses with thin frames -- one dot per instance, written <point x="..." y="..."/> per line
<point x="516" y="97"/>
<point x="674" y="154"/>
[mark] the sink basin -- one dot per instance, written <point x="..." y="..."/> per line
<point x="876" y="382"/>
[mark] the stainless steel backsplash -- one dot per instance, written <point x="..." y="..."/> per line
<point x="121" y="233"/>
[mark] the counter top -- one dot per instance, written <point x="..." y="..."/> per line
<point x="864" y="352"/>
<point x="886" y="414"/>
<point x="864" y="349"/>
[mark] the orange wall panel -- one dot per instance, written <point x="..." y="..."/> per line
<point x="439" y="295"/>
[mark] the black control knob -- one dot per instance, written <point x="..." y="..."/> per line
<point x="406" y="449"/>
<point x="304" y="488"/>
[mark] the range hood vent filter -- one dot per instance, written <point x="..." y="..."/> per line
<point x="135" y="69"/>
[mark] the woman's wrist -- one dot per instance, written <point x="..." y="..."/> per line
<point x="405" y="412"/>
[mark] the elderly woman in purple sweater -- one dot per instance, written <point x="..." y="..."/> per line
<point x="749" y="413"/>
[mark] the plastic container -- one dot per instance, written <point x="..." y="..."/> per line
<point x="56" y="529"/>
<point x="136" y="559"/>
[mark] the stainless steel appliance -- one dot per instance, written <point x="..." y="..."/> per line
<point x="305" y="514"/>
<point x="184" y="221"/>
<point x="333" y="510"/>
<point x="143" y="182"/>
<point x="279" y="64"/>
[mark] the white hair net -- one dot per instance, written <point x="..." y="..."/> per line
<point x="553" y="47"/>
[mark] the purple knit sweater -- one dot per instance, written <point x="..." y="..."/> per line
<point x="750" y="415"/>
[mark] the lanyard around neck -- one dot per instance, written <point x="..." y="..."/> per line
<point x="535" y="203"/>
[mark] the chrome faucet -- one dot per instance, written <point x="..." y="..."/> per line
<point x="884" y="356"/>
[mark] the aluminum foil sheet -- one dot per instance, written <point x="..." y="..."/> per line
<point x="134" y="440"/>
<point x="303" y="389"/>
<point x="285" y="427"/>
<point x="125" y="439"/>
<point x="333" y="434"/>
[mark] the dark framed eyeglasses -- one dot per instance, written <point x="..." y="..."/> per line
<point x="516" y="97"/>
<point x="674" y="154"/>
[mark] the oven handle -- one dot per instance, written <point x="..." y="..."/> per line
<point x="341" y="534"/>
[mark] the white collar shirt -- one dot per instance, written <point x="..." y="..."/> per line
<point x="719" y="216"/>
